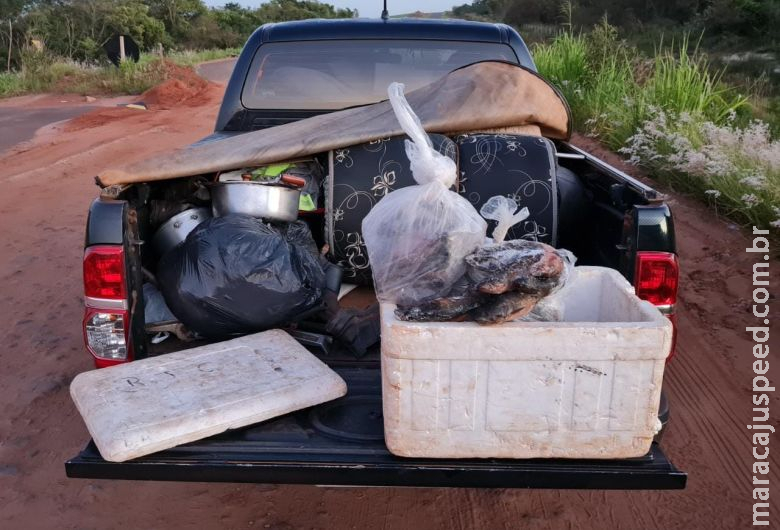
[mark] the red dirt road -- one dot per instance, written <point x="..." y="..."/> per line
<point x="46" y="189"/>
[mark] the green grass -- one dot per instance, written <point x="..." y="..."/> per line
<point x="564" y="63"/>
<point x="674" y="115"/>
<point x="10" y="84"/>
<point x="613" y="91"/>
<point x="683" y="81"/>
<point x="194" y="57"/>
<point x="73" y="78"/>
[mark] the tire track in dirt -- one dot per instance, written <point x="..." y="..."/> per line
<point x="701" y="427"/>
<point x="116" y="144"/>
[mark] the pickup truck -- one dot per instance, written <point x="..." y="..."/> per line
<point x="613" y="220"/>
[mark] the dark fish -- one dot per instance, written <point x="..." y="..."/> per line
<point x="516" y="265"/>
<point x="504" y="307"/>
<point x="461" y="299"/>
<point x="502" y="282"/>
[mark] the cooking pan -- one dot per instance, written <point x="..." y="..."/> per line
<point x="269" y="201"/>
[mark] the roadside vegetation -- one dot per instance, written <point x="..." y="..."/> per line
<point x="42" y="72"/>
<point x="58" y="46"/>
<point x="78" y="29"/>
<point x="686" y="90"/>
<point x="673" y="115"/>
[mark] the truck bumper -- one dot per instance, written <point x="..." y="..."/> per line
<point x="342" y="443"/>
<point x="225" y="462"/>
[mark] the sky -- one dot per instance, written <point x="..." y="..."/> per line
<point x="371" y="8"/>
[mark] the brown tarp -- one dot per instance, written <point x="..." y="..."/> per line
<point x="482" y="96"/>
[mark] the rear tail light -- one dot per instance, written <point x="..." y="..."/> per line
<point x="656" y="277"/>
<point x="106" y="317"/>
<point x="656" y="280"/>
<point x="106" y="336"/>
<point x="104" y="272"/>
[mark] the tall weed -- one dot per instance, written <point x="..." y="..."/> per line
<point x="10" y="84"/>
<point x="564" y="62"/>
<point x="671" y="114"/>
<point x="683" y="81"/>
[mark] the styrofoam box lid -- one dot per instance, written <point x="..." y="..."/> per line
<point x="153" y="404"/>
<point x="599" y="312"/>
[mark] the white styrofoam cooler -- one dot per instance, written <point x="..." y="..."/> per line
<point x="139" y="408"/>
<point x="588" y="386"/>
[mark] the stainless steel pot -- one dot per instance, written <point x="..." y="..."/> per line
<point x="174" y="231"/>
<point x="269" y="201"/>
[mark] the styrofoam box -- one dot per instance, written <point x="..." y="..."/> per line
<point x="153" y="404"/>
<point x="588" y="386"/>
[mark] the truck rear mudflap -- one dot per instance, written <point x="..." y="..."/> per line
<point x="342" y="443"/>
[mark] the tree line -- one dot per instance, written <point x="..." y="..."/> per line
<point x="740" y="21"/>
<point x="77" y="29"/>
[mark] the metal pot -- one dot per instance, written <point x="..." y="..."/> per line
<point x="174" y="231"/>
<point x="269" y="201"/>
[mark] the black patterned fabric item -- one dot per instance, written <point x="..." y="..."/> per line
<point x="358" y="178"/>
<point x="520" y="167"/>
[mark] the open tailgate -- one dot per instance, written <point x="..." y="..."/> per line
<point x="341" y="443"/>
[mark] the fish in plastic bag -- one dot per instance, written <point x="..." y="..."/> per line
<point x="504" y="280"/>
<point x="418" y="237"/>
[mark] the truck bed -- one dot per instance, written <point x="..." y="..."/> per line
<point x="341" y="443"/>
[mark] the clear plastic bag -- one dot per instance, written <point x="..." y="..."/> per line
<point x="552" y="308"/>
<point x="529" y="266"/>
<point x="502" y="210"/>
<point x="417" y="237"/>
<point x="532" y="270"/>
<point x="504" y="280"/>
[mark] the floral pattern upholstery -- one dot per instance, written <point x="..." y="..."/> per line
<point x="520" y="167"/>
<point x="358" y="178"/>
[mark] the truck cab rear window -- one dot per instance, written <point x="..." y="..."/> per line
<point x="330" y="75"/>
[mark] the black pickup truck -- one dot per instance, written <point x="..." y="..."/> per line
<point x="604" y="217"/>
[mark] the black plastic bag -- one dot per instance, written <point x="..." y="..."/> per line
<point x="236" y="275"/>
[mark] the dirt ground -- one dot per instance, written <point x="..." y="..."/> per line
<point x="21" y="117"/>
<point x="47" y="185"/>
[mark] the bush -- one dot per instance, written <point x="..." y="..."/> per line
<point x="683" y="81"/>
<point x="10" y="84"/>
<point x="736" y="169"/>
<point x="37" y="75"/>
<point x="673" y="115"/>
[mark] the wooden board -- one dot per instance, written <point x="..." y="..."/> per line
<point x="153" y="404"/>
